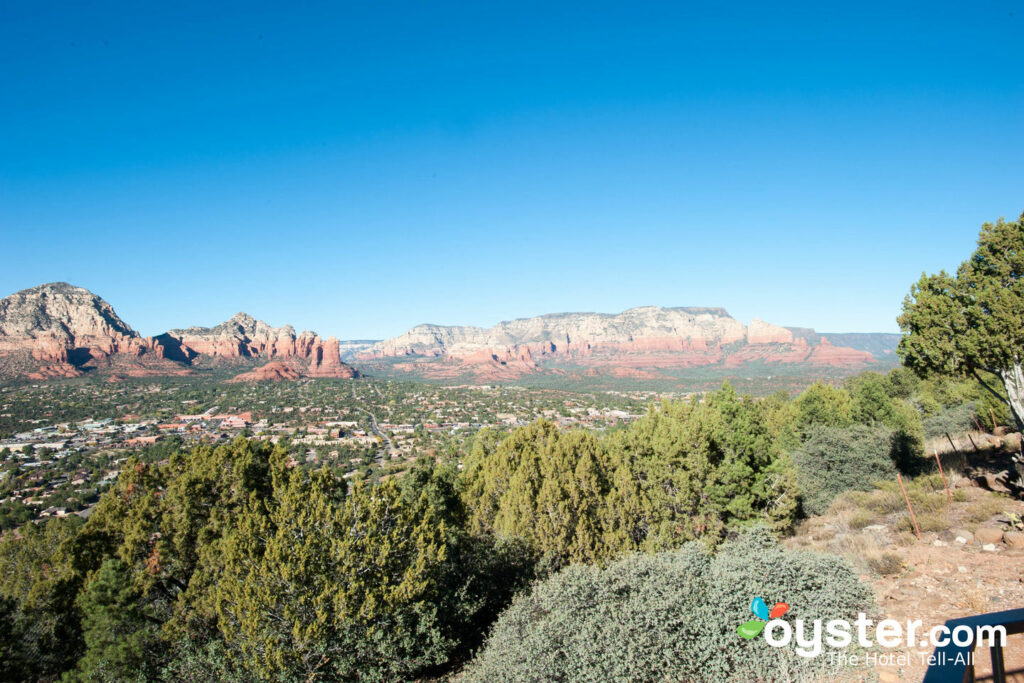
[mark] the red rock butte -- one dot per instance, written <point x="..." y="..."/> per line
<point x="58" y="330"/>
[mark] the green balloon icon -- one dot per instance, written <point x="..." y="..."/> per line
<point x="750" y="629"/>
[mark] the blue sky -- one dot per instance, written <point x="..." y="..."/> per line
<point x="358" y="168"/>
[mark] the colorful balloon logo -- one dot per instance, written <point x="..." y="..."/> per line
<point x="760" y="609"/>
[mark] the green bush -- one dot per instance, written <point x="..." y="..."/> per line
<point x="667" y="616"/>
<point x="833" y="460"/>
<point x="950" y="420"/>
<point x="687" y="470"/>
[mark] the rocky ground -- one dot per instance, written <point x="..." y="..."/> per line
<point x="970" y="559"/>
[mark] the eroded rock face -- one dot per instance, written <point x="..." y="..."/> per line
<point x="64" y="329"/>
<point x="58" y="330"/>
<point x="240" y="337"/>
<point x="837" y="356"/>
<point x="625" y="344"/>
<point x="760" y="332"/>
<point x="571" y="333"/>
<point x="325" y="361"/>
<point x="274" y="371"/>
<point x="244" y="337"/>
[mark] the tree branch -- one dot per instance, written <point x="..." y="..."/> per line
<point x="985" y="384"/>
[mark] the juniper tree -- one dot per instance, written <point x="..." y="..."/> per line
<point x="972" y="323"/>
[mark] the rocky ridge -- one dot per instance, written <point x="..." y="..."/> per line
<point x="59" y="330"/>
<point x="244" y="337"/>
<point x="633" y="343"/>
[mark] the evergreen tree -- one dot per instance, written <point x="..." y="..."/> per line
<point x="121" y="637"/>
<point x="972" y="323"/>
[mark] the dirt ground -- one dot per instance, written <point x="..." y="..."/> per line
<point x="969" y="561"/>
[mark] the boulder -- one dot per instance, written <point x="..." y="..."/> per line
<point x="963" y="536"/>
<point x="987" y="534"/>
<point x="1014" y="539"/>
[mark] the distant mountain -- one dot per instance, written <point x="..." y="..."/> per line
<point x="350" y="348"/>
<point x="59" y="311"/>
<point x="640" y="343"/>
<point x="878" y="344"/>
<point x="244" y="337"/>
<point x="59" y="330"/>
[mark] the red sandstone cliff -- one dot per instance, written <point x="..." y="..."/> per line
<point x="58" y="330"/>
<point x="631" y="343"/>
<point x="244" y="337"/>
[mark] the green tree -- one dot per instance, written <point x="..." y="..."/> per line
<point x="832" y="460"/>
<point x="121" y="636"/>
<point x="229" y="563"/>
<point x="872" y="406"/>
<point x="317" y="585"/>
<point x="543" y="486"/>
<point x="698" y="469"/>
<point x="972" y="323"/>
<point x="15" y="661"/>
<point x="39" y="581"/>
<point x="825" y="405"/>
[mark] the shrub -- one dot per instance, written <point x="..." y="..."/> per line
<point x="984" y="508"/>
<point x="952" y="420"/>
<point x="885" y="563"/>
<point x="823" y="405"/>
<point x="926" y="521"/>
<point x="861" y="518"/>
<point x="668" y="616"/>
<point x="833" y="460"/>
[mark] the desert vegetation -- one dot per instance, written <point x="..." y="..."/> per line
<point x="538" y="553"/>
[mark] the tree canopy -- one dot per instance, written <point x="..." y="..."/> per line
<point x="972" y="323"/>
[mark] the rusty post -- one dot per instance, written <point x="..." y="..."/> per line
<point x="953" y="445"/>
<point x="938" y="461"/>
<point x="907" y="498"/>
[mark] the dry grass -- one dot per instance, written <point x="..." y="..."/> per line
<point x="864" y="551"/>
<point x="904" y="538"/>
<point x="880" y="502"/>
<point x="923" y="494"/>
<point x="927" y="521"/>
<point x="984" y="508"/>
<point x="927" y="495"/>
<point x="859" y="519"/>
<point x="885" y="563"/>
<point x="933" y="521"/>
<point x="974" y="600"/>
<point x="857" y="545"/>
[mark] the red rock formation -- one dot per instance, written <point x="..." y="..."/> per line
<point x="760" y="332"/>
<point x="628" y="344"/>
<point x="824" y="354"/>
<point x="244" y="337"/>
<point x="54" y="371"/>
<point x="273" y="371"/>
<point x="325" y="361"/>
<point x="63" y="330"/>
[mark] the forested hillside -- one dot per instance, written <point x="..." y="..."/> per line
<point x="228" y="561"/>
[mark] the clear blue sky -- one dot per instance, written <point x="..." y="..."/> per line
<point x="358" y="168"/>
